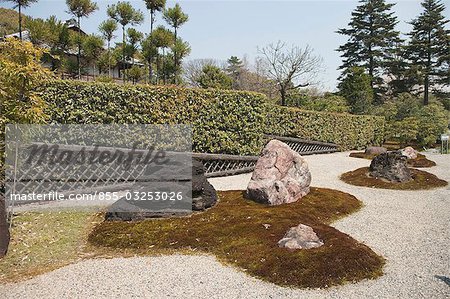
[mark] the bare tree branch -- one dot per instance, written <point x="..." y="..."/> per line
<point x="290" y="67"/>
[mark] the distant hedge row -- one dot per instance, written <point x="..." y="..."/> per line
<point x="346" y="130"/>
<point x="223" y="121"/>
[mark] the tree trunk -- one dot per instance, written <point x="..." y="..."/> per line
<point x="152" y="20"/>
<point x="427" y="72"/>
<point x="164" y="66"/>
<point x="4" y="229"/>
<point x="20" y="22"/>
<point x="109" y="59"/>
<point x="158" y="62"/>
<point x="79" y="49"/>
<point x="175" y="58"/>
<point x="283" y="96"/>
<point x="123" y="54"/>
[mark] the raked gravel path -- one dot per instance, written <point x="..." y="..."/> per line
<point x="409" y="228"/>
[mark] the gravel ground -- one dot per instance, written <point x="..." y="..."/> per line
<point x="409" y="228"/>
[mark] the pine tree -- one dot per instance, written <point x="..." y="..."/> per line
<point x="372" y="39"/>
<point x="176" y="18"/>
<point x="429" y="47"/>
<point x="107" y="29"/>
<point x="356" y="89"/>
<point x="234" y="69"/>
<point x="80" y="9"/>
<point x="124" y="14"/>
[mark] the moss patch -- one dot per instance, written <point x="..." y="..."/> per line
<point x="420" y="162"/>
<point x="421" y="180"/>
<point x="234" y="232"/>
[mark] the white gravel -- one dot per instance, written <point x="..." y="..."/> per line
<point x="409" y="228"/>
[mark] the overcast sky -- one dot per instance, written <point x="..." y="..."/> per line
<point x="220" y="29"/>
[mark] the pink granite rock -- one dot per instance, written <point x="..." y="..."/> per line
<point x="281" y="175"/>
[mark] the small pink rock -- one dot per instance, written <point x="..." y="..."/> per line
<point x="409" y="152"/>
<point x="300" y="237"/>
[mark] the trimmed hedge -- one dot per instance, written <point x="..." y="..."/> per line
<point x="223" y="121"/>
<point x="346" y="130"/>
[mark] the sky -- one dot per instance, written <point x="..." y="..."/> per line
<point x="220" y="29"/>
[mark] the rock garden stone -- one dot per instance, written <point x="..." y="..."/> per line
<point x="409" y="152"/>
<point x="4" y="229"/>
<point x="375" y="150"/>
<point x="281" y="176"/>
<point x="204" y="196"/>
<point x="390" y="166"/>
<point x="300" y="237"/>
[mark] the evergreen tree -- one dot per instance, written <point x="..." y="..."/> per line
<point x="134" y="38"/>
<point x="356" y="89"/>
<point x="429" y="47"/>
<point x="175" y="17"/>
<point x="234" y="69"/>
<point x="214" y="77"/>
<point x="154" y="6"/>
<point x="80" y="9"/>
<point x="403" y="76"/>
<point x="162" y="39"/>
<point x="149" y="51"/>
<point x="107" y="29"/>
<point x="92" y="49"/>
<point x="124" y="14"/>
<point x="372" y="39"/>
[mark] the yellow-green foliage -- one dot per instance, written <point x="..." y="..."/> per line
<point x="20" y="74"/>
<point x="347" y="130"/>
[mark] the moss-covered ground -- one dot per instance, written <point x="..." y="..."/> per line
<point x="243" y="233"/>
<point x="421" y="180"/>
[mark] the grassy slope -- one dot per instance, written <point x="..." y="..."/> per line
<point x="41" y="242"/>
<point x="9" y="21"/>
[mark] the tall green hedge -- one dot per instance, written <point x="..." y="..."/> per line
<point x="346" y="130"/>
<point x="223" y="121"/>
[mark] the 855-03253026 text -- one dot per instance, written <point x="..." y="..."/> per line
<point x="106" y="196"/>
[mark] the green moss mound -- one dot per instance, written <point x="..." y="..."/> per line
<point x="422" y="180"/>
<point x="420" y="162"/>
<point x="234" y="231"/>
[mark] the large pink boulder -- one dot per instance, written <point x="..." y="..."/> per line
<point x="281" y="176"/>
